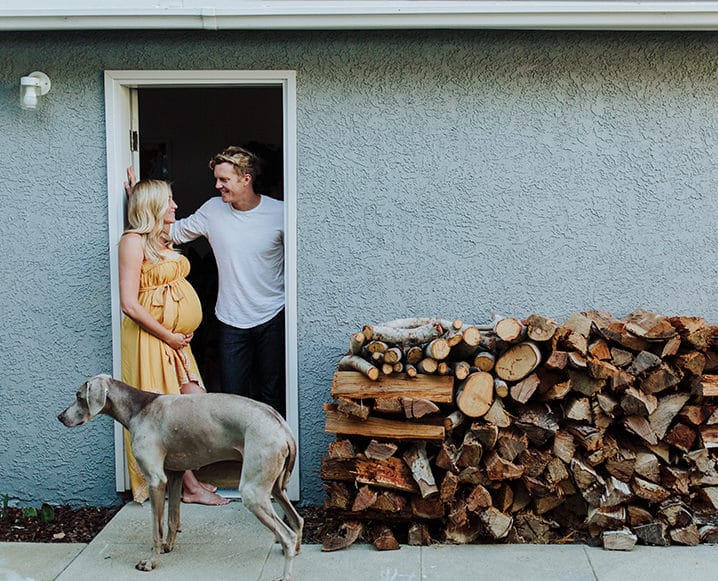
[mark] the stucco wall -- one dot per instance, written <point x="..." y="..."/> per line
<point x="450" y="173"/>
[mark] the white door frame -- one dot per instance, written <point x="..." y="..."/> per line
<point x="118" y="114"/>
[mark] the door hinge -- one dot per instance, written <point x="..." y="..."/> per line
<point x="134" y="140"/>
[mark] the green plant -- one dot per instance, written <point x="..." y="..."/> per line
<point x="29" y="512"/>
<point x="47" y="513"/>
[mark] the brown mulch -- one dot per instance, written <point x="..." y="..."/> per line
<point x="81" y="525"/>
<point x="69" y="525"/>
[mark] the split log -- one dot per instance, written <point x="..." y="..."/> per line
<point x="511" y="443"/>
<point x="418" y="535"/>
<point x="380" y="450"/>
<point x="471" y="451"/>
<point x="388" y="405"/>
<point x="600" y="350"/>
<point x="475" y="394"/>
<point x="708" y="386"/>
<point x="341" y="449"/>
<point x="709" y="436"/>
<point x="384" y="539"/>
<point x="447" y="457"/>
<point x="418" y="462"/>
<point x="496" y="523"/>
<point x="353" y="409"/>
<point x="430" y="508"/>
<point x="518" y="361"/>
<point x="538" y="422"/>
<point x="619" y="540"/>
<point x="652" y="533"/>
<point x="647" y="466"/>
<point x="667" y="409"/>
<point x="499" y="469"/>
<point x="357" y="363"/>
<point x="353" y="385"/>
<point x="497" y="415"/>
<point x="649" y="325"/>
<point x="636" y="403"/>
<point x="364" y="498"/>
<point x="348" y="532"/>
<point x="478" y="499"/>
<point x="540" y="328"/>
<point x="338" y="496"/>
<point x="486" y="434"/>
<point x="681" y="437"/>
<point x="336" y="423"/>
<point x="418" y="407"/>
<point x="578" y="409"/>
<point x="649" y="491"/>
<point x="449" y="486"/>
<point x="557" y="360"/>
<point x="639" y="426"/>
<point x="661" y="379"/>
<point x="522" y="391"/>
<point x="688" y="535"/>
<point x="644" y="361"/>
<point x="693" y="362"/>
<point x="392" y="473"/>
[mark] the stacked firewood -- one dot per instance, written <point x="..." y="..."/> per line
<point x="526" y="430"/>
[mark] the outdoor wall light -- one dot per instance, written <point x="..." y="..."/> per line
<point x="31" y="87"/>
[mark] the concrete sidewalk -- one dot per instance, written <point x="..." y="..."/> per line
<point x="228" y="543"/>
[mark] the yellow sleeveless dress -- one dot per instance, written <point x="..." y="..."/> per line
<point x="149" y="363"/>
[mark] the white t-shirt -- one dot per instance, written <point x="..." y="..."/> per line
<point x="249" y="249"/>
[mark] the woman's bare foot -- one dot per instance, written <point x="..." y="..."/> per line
<point x="203" y="496"/>
<point x="208" y="486"/>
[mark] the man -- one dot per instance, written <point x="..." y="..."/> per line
<point x="246" y="232"/>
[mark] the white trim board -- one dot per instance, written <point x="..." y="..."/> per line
<point x="119" y="157"/>
<point x="363" y="14"/>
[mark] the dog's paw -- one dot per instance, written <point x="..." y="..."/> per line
<point x="167" y="547"/>
<point x="146" y="565"/>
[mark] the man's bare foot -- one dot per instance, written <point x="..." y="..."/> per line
<point x="208" y="486"/>
<point x="203" y="496"/>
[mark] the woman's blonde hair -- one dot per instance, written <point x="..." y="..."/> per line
<point x="146" y="210"/>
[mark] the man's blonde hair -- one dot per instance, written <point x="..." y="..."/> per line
<point x="243" y="160"/>
<point x="146" y="211"/>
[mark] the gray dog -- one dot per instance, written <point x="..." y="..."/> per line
<point x="174" y="433"/>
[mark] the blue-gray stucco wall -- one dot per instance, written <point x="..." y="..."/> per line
<point x="439" y="173"/>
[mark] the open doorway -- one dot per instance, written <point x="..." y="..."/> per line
<point x="168" y="124"/>
<point x="180" y="129"/>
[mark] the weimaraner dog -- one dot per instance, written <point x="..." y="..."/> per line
<point x="174" y="433"/>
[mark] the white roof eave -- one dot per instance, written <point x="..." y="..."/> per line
<point x="367" y="14"/>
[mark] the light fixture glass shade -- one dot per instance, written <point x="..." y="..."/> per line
<point x="28" y="97"/>
<point x="31" y="87"/>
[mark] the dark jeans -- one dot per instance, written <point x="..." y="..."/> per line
<point x="252" y="361"/>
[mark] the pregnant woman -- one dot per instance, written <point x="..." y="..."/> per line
<point x="162" y="312"/>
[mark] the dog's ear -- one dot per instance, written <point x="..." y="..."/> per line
<point x="96" y="395"/>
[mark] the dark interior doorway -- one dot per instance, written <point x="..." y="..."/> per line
<point x="180" y="130"/>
